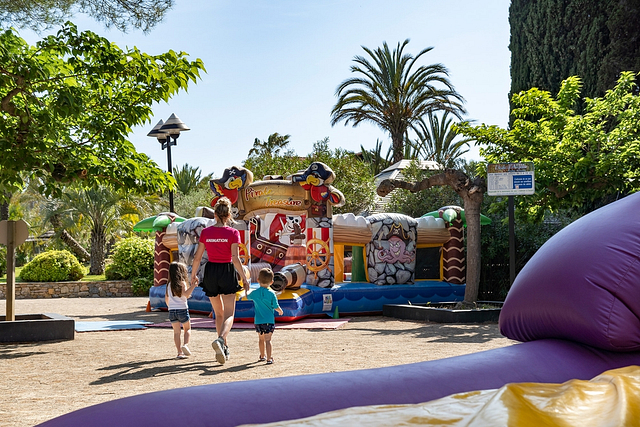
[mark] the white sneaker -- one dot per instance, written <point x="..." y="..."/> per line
<point x="185" y="350"/>
<point x="218" y="347"/>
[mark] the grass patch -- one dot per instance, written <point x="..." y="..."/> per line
<point x="87" y="278"/>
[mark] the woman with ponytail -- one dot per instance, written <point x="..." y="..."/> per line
<point x="221" y="273"/>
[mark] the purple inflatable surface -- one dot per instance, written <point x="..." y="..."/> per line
<point x="583" y="284"/>
<point x="230" y="404"/>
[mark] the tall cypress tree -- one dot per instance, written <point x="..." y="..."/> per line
<point x="554" y="39"/>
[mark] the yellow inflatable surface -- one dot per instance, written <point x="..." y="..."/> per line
<point x="610" y="399"/>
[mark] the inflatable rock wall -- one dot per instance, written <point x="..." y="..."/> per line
<point x="391" y="254"/>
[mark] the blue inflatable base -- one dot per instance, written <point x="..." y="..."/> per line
<point x="350" y="299"/>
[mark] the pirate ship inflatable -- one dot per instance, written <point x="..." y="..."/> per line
<point x="322" y="261"/>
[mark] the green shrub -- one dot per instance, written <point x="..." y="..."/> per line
<point x="52" y="266"/>
<point x="111" y="272"/>
<point x="3" y="260"/>
<point x="140" y="286"/>
<point x="132" y="257"/>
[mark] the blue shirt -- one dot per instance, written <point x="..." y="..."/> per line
<point x="265" y="302"/>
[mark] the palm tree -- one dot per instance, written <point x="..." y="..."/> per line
<point x="106" y="212"/>
<point x="392" y="95"/>
<point x="437" y="141"/>
<point x="43" y="213"/>
<point x="189" y="178"/>
<point x="271" y="147"/>
<point x="377" y="163"/>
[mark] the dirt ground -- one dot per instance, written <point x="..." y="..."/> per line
<point x="40" y="381"/>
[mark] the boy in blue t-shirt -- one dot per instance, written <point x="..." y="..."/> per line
<point x="264" y="303"/>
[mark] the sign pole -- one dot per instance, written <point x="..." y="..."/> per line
<point x="512" y="241"/>
<point x="11" y="263"/>
<point x="12" y="234"/>
<point x="511" y="179"/>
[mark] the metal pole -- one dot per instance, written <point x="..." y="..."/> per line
<point x="170" y="171"/>
<point x="11" y="265"/>
<point x="512" y="242"/>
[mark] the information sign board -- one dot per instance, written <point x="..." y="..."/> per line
<point x="510" y="179"/>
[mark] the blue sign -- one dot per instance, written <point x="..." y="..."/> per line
<point x="520" y="182"/>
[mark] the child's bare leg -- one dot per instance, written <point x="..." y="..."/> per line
<point x="176" y="335"/>
<point x="261" y="344"/>
<point x="267" y="344"/>
<point x="187" y="331"/>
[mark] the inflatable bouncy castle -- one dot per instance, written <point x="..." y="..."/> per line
<point x="322" y="261"/>
<point x="574" y="307"/>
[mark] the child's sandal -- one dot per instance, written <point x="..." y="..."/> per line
<point x="262" y="359"/>
<point x="270" y="361"/>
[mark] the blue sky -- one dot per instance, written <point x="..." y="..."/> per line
<point x="274" y="65"/>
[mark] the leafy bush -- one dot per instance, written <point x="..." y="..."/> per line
<point x="111" y="272"/>
<point x="53" y="266"/>
<point x="140" y="286"/>
<point x="3" y="260"/>
<point x="132" y="257"/>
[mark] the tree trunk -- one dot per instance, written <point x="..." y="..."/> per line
<point x="397" y="141"/>
<point x="77" y="249"/>
<point x="472" y="204"/>
<point x="472" y="192"/>
<point x="98" y="244"/>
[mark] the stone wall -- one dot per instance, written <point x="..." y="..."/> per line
<point x="30" y="290"/>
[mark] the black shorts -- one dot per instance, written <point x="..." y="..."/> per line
<point x="220" y="278"/>
<point x="265" y="328"/>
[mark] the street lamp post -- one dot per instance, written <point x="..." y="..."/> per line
<point x="167" y="134"/>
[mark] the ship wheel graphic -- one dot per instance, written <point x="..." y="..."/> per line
<point x="318" y="255"/>
<point x="243" y="253"/>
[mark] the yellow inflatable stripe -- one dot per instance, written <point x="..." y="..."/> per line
<point x="610" y="399"/>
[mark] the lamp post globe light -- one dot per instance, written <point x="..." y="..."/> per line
<point x="167" y="134"/>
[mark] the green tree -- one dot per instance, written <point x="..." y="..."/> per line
<point x="43" y="214"/>
<point x="189" y="179"/>
<point x="186" y="204"/>
<point x="377" y="163"/>
<point x="582" y="161"/>
<point x="391" y="94"/>
<point x="121" y="14"/>
<point x="272" y="157"/>
<point x="419" y="203"/>
<point x="68" y="103"/>
<point x="554" y="39"/>
<point x="439" y="141"/>
<point x="105" y="211"/>
<point x="353" y="177"/>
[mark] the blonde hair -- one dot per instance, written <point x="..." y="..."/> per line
<point x="223" y="210"/>
<point x="265" y="276"/>
<point x="178" y="275"/>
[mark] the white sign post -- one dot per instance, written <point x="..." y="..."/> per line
<point x="12" y="234"/>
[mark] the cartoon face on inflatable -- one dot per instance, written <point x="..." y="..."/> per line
<point x="233" y="179"/>
<point x="397" y="252"/>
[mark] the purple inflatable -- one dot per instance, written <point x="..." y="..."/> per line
<point x="583" y="284"/>
<point x="581" y="288"/>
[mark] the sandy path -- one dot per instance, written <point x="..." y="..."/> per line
<point x="43" y="380"/>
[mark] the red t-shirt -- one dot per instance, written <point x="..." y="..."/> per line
<point x="218" y="241"/>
